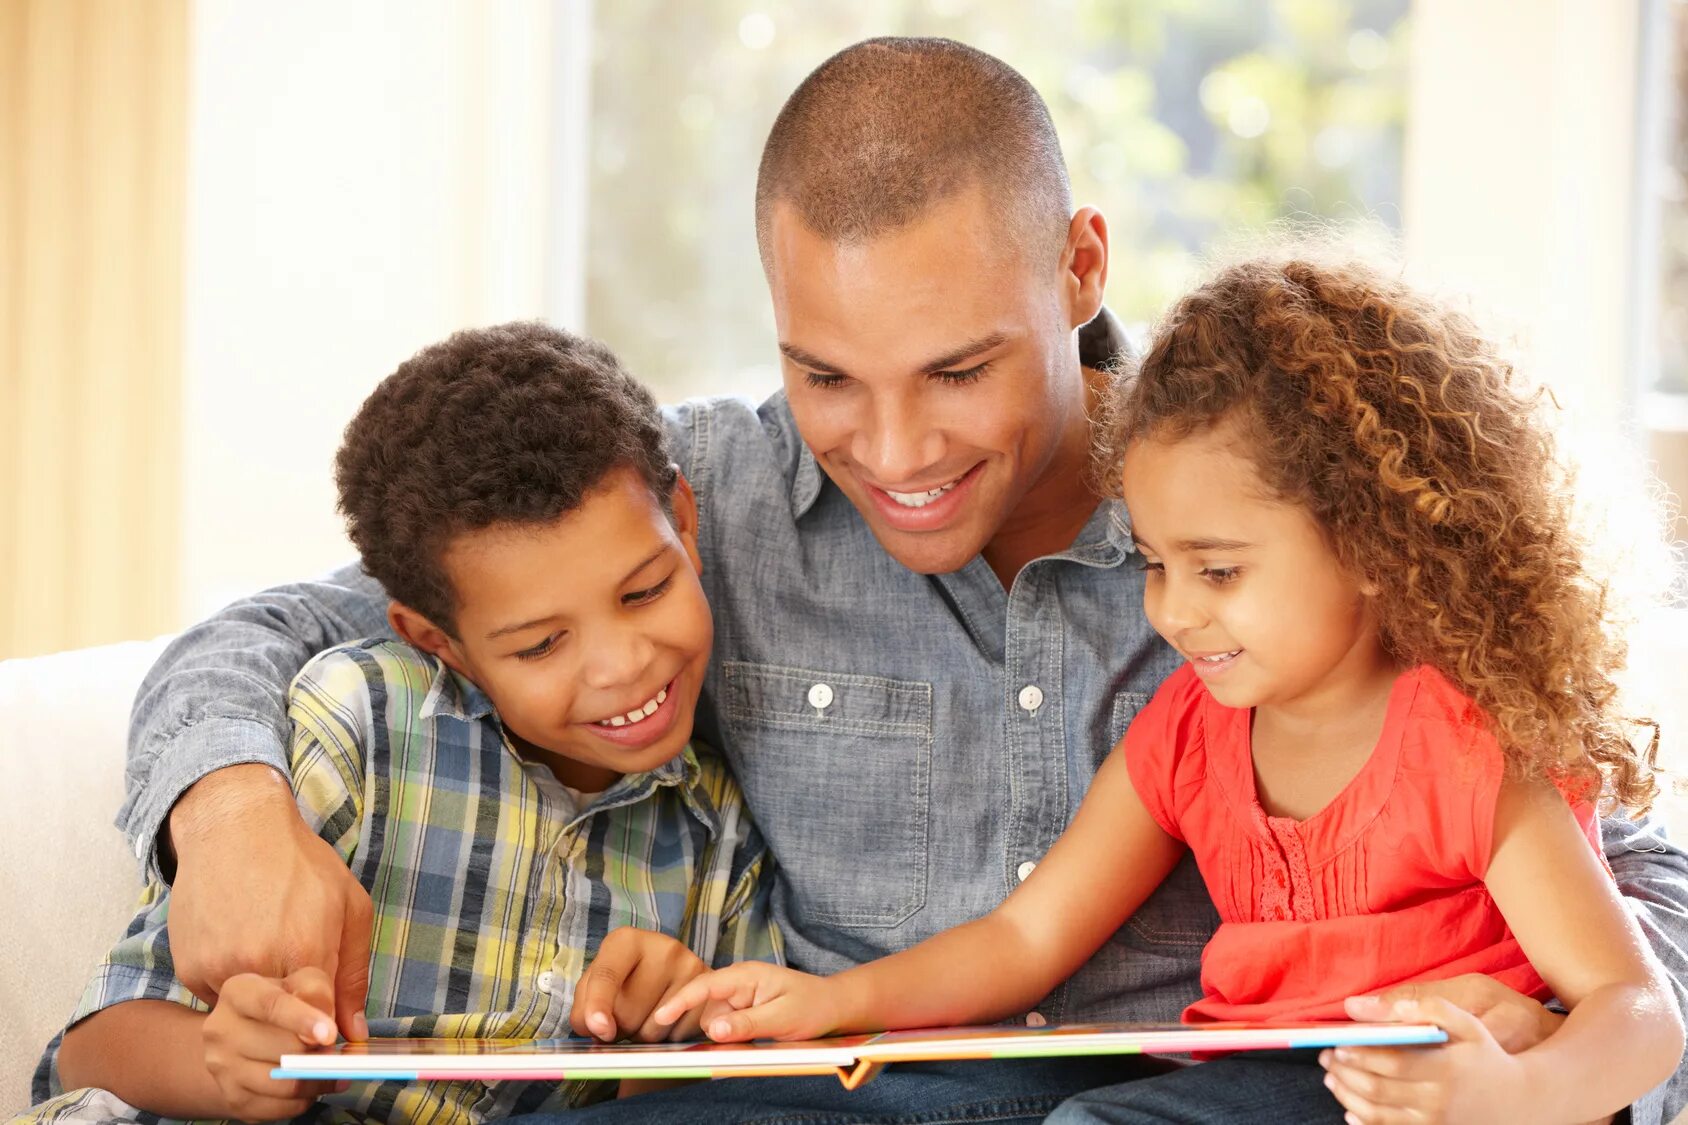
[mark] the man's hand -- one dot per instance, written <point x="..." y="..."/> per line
<point x="1516" y="1021"/>
<point x="755" y="1000"/>
<point x="256" y="1021"/>
<point x="634" y="972"/>
<point x="1468" y="1079"/>
<point x="256" y="892"/>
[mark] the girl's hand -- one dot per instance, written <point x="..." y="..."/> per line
<point x="1469" y="1078"/>
<point x="256" y="1021"/>
<point x="755" y="1000"/>
<point x="633" y="972"/>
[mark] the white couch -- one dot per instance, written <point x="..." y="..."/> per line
<point x="68" y="881"/>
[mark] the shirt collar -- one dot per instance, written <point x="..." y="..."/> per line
<point x="452" y="696"/>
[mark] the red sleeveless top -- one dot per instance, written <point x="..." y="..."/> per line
<point x="1382" y="886"/>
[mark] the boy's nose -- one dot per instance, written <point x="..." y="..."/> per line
<point x="618" y="660"/>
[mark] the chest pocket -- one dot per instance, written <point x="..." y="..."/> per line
<point x="1126" y="706"/>
<point x="838" y="771"/>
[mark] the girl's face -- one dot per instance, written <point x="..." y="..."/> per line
<point x="1245" y="586"/>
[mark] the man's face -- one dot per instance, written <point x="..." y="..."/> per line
<point x="577" y="629"/>
<point x="932" y="370"/>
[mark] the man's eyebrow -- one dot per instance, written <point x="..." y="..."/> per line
<point x="508" y="629"/>
<point x="947" y="360"/>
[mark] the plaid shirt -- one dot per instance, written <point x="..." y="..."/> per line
<point x="491" y="889"/>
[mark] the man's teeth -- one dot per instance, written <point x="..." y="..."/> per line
<point x="921" y="499"/>
<point x="637" y="715"/>
<point x="1220" y="656"/>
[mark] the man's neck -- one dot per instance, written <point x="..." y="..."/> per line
<point x="1055" y="509"/>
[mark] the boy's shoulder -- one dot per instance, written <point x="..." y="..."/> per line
<point x="381" y="677"/>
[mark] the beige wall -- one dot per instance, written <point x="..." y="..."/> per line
<point x="93" y="114"/>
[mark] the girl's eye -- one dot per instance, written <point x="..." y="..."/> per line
<point x="1151" y="566"/>
<point x="651" y="594"/>
<point x="1219" y="575"/>
<point x="543" y="648"/>
<point x="961" y="378"/>
<point x="823" y="380"/>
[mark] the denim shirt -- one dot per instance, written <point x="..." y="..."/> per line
<point x="909" y="744"/>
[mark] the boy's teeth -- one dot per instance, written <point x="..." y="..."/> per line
<point x="638" y="713"/>
<point x="920" y="499"/>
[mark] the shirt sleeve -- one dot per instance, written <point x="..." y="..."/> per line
<point x="216" y="697"/>
<point x="1652" y="872"/>
<point x="748" y="930"/>
<point x="329" y="709"/>
<point x="1160" y="744"/>
<point x="138" y="967"/>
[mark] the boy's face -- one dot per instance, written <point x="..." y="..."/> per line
<point x="590" y="635"/>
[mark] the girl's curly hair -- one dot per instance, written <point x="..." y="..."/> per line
<point x="1415" y="445"/>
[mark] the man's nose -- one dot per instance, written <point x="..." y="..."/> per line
<point x="897" y="447"/>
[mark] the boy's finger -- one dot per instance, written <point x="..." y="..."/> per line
<point x="265" y="1000"/>
<point x="779" y="1018"/>
<point x="312" y="985"/>
<point x="594" y="999"/>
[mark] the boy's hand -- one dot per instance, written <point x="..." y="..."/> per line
<point x="755" y="1000"/>
<point x="1469" y="1078"/>
<point x="238" y="841"/>
<point x="256" y="1021"/>
<point x="634" y="972"/>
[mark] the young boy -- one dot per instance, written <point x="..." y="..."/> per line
<point x="511" y="781"/>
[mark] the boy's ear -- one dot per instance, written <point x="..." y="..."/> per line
<point x="415" y="629"/>
<point x="684" y="502"/>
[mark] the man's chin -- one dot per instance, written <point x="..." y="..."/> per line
<point x="932" y="552"/>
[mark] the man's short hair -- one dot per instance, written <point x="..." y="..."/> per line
<point x="506" y="426"/>
<point x="887" y="128"/>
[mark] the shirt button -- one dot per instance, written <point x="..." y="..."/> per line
<point x="1035" y="1019"/>
<point x="545" y="982"/>
<point x="820" y="697"/>
<point x="1031" y="697"/>
<point x="1024" y="871"/>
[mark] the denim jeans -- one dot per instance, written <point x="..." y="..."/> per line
<point x="1260" y="1087"/>
<point x="952" y="1093"/>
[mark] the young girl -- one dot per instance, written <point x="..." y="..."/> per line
<point x="1397" y="711"/>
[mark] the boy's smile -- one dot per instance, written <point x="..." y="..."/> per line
<point x="590" y="635"/>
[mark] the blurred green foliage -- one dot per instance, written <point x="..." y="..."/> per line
<point x="1183" y="120"/>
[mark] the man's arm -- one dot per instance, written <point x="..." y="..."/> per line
<point x="210" y="803"/>
<point x="1652" y="873"/>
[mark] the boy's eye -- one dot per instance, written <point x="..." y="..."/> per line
<point x="650" y="594"/>
<point x="1219" y="575"/>
<point x="540" y="649"/>
<point x="823" y="379"/>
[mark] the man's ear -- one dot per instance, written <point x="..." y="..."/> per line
<point x="684" y="503"/>
<point x="1084" y="266"/>
<point x="417" y="630"/>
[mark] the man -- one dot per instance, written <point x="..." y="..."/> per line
<point x="928" y="631"/>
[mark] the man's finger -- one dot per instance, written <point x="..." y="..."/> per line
<point x="1460" y="1024"/>
<point x="351" y="975"/>
<point x="265" y="1000"/>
